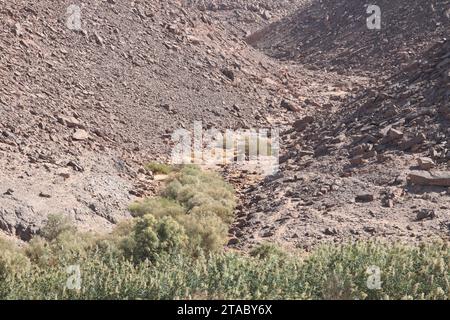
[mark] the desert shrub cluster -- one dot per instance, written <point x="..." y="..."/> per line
<point x="329" y="272"/>
<point x="199" y="202"/>
<point x="174" y="249"/>
<point x="158" y="168"/>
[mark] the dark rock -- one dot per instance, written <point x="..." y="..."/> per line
<point x="370" y="230"/>
<point x="302" y="124"/>
<point x="44" y="195"/>
<point x="330" y="232"/>
<point x="9" y="192"/>
<point x="289" y="105"/>
<point x="75" y="166"/>
<point x="425" y="214"/>
<point x="365" y="198"/>
<point x="228" y="73"/>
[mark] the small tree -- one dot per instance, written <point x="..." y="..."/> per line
<point x="154" y="237"/>
<point x="56" y="224"/>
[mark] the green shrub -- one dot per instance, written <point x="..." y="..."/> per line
<point x="39" y="252"/>
<point x="155" y="237"/>
<point x="330" y="272"/>
<point x="119" y="243"/>
<point x="206" y="231"/>
<point x="12" y="259"/>
<point x="266" y="251"/>
<point x="201" y="191"/>
<point x="202" y="202"/>
<point x="159" y="207"/>
<point x="174" y="250"/>
<point x="12" y="262"/>
<point x="67" y="247"/>
<point x="159" y="168"/>
<point x="59" y="241"/>
<point x="56" y="224"/>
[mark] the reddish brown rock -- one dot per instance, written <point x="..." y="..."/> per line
<point x="441" y="179"/>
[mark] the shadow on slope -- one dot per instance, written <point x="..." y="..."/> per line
<point x="334" y="34"/>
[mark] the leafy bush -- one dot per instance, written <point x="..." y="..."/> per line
<point x="206" y="231"/>
<point x="246" y="143"/>
<point x="160" y="168"/>
<point x="199" y="201"/>
<point x="12" y="259"/>
<point x="158" y="207"/>
<point x="59" y="242"/>
<point x="155" y="237"/>
<point x="330" y="272"/>
<point x="201" y="192"/>
<point x="118" y="243"/>
<point x="174" y="250"/>
<point x="266" y="251"/>
<point x="67" y="247"/>
<point x="56" y="224"/>
<point x="12" y="263"/>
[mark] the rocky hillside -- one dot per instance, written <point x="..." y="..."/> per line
<point x="84" y="107"/>
<point x="334" y="35"/>
<point x="364" y="113"/>
<point x="82" y="110"/>
<point x="378" y="168"/>
<point x="243" y="17"/>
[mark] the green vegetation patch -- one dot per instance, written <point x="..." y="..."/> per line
<point x="159" y="168"/>
<point x="173" y="249"/>
<point x="199" y="201"/>
<point x="330" y="272"/>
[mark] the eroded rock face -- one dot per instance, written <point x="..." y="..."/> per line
<point x="245" y="16"/>
<point x="334" y="35"/>
<point x="84" y="110"/>
<point x="80" y="115"/>
<point x="18" y="219"/>
<point x="424" y="178"/>
<point x="95" y="198"/>
<point x="403" y="115"/>
<point x="380" y="167"/>
<point x="426" y="163"/>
